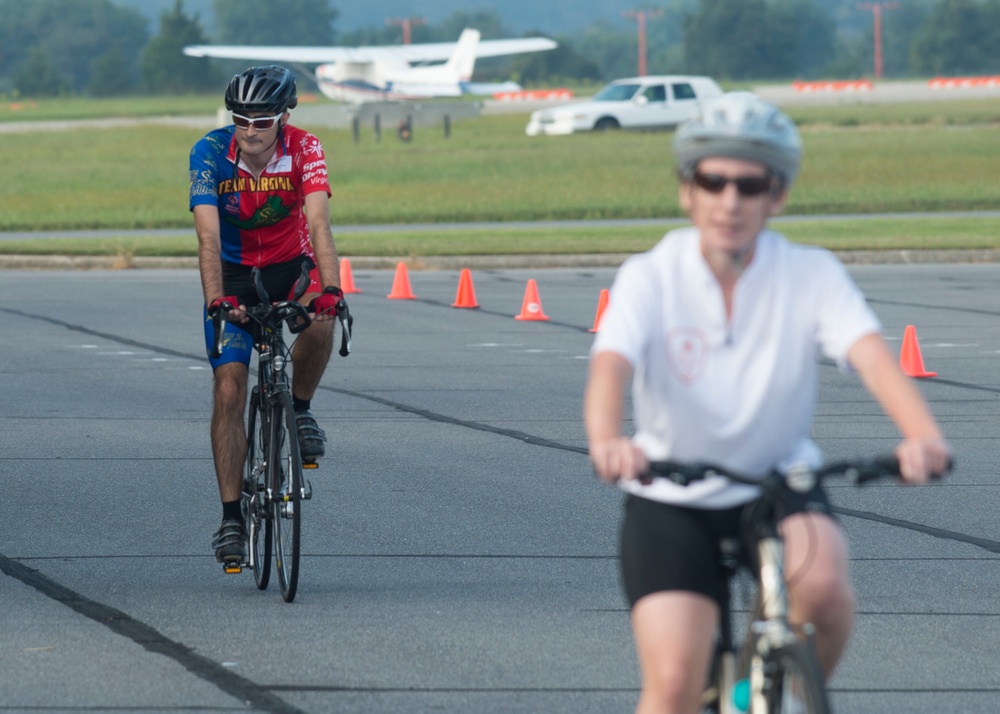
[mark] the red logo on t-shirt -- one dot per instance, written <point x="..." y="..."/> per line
<point x="687" y="353"/>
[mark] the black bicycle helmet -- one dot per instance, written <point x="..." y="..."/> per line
<point x="269" y="89"/>
<point x="740" y="125"/>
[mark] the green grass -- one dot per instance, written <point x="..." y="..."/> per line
<point x="18" y="110"/>
<point x="938" y="113"/>
<point x="841" y="235"/>
<point x="934" y="156"/>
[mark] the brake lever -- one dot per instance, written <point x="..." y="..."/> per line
<point x="219" y="328"/>
<point x="299" y="318"/>
<point x="345" y="335"/>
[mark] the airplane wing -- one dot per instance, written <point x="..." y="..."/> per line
<point x="499" y="48"/>
<point x="430" y="52"/>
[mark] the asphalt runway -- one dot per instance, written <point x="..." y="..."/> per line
<point x="459" y="554"/>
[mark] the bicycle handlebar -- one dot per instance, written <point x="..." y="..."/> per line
<point x="297" y="317"/>
<point x="857" y="471"/>
<point x="292" y="313"/>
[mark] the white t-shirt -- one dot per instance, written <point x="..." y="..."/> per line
<point x="737" y="393"/>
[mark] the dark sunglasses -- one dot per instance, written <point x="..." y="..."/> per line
<point x="745" y="185"/>
<point x="260" y="123"/>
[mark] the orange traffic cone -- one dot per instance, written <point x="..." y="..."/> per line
<point x="531" y="308"/>
<point x="910" y="359"/>
<point x="347" y="277"/>
<point x="466" y="295"/>
<point x="401" y="284"/>
<point x="602" y="302"/>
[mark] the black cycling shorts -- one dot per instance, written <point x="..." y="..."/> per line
<point x="278" y="279"/>
<point x="666" y="547"/>
<point x="237" y="280"/>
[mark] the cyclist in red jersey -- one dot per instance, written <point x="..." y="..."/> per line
<point x="260" y="198"/>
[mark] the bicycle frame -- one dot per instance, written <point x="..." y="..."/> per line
<point x="273" y="358"/>
<point x="273" y="482"/>
<point x="768" y="629"/>
<point x="771" y="650"/>
<point x="268" y="397"/>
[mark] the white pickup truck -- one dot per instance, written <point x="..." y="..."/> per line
<point x="653" y="102"/>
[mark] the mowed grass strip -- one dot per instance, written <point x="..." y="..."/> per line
<point x="953" y="111"/>
<point x="841" y="235"/>
<point x="918" y="158"/>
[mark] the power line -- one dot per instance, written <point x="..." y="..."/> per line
<point x="407" y="23"/>
<point x="640" y="16"/>
<point x="876" y="8"/>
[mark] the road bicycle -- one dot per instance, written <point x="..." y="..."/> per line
<point x="274" y="485"/>
<point x="772" y="671"/>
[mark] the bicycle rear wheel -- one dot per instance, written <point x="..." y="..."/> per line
<point x="285" y="464"/>
<point x="794" y="682"/>
<point x="256" y="514"/>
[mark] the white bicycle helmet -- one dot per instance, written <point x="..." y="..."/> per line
<point x="743" y="126"/>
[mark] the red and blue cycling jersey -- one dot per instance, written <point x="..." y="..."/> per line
<point x="261" y="218"/>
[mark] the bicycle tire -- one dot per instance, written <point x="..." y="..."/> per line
<point x="256" y="514"/>
<point x="792" y="673"/>
<point x="285" y="465"/>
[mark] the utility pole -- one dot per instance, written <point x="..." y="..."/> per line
<point x="407" y="23"/>
<point x="875" y="8"/>
<point x="640" y="16"/>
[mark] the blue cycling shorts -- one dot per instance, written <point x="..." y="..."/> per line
<point x="237" y="343"/>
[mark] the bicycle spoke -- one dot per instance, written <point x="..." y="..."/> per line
<point x="255" y="512"/>
<point x="286" y="477"/>
<point x="794" y="682"/>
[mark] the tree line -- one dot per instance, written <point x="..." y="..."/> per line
<point x="98" y="48"/>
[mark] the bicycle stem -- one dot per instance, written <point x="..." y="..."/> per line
<point x="771" y="556"/>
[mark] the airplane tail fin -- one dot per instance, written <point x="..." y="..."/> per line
<point x="463" y="59"/>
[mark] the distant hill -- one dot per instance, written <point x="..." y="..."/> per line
<point x="551" y="17"/>
<point x="555" y="17"/>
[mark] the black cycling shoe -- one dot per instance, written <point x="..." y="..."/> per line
<point x="229" y="541"/>
<point x="312" y="439"/>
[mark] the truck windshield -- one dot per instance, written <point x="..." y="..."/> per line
<point x="616" y="93"/>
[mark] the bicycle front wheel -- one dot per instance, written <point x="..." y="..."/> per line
<point x="794" y="682"/>
<point x="285" y="465"/>
<point x="256" y="513"/>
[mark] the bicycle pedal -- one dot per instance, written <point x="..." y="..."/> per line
<point x="310" y="465"/>
<point x="232" y="568"/>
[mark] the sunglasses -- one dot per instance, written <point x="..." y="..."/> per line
<point x="259" y="123"/>
<point x="745" y="185"/>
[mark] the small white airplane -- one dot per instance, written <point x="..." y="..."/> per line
<point x="390" y="72"/>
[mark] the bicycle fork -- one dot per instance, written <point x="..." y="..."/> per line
<point x="772" y="630"/>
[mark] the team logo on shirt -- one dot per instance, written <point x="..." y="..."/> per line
<point x="270" y="213"/>
<point x="687" y="353"/>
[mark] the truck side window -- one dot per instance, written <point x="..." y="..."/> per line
<point x="656" y="93"/>
<point x="683" y="91"/>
